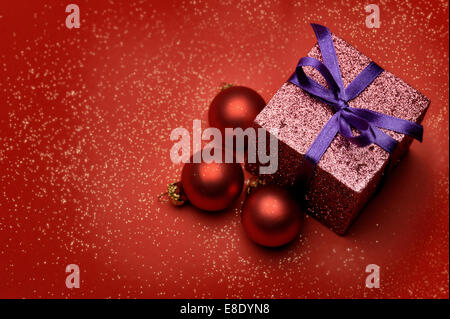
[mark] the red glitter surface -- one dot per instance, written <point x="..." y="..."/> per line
<point x="85" y="122"/>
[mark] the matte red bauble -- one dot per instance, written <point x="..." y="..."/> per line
<point x="212" y="186"/>
<point x="235" y="106"/>
<point x="271" y="216"/>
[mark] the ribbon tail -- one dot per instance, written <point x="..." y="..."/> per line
<point x="384" y="141"/>
<point x="391" y="123"/>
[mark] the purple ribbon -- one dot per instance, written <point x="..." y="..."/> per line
<point x="367" y="122"/>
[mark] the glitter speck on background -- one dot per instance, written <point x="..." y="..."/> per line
<point x="85" y="120"/>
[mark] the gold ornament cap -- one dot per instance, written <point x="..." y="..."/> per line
<point x="225" y="85"/>
<point x="175" y="194"/>
<point x="253" y="183"/>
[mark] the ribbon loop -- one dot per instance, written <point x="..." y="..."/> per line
<point x="319" y="66"/>
<point x="329" y="56"/>
<point x="303" y="81"/>
<point x="346" y="118"/>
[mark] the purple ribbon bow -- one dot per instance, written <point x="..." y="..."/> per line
<point x="367" y="122"/>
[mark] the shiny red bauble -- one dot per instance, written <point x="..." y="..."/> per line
<point x="271" y="216"/>
<point x="212" y="186"/>
<point x="236" y="106"/>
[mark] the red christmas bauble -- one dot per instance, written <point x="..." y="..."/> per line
<point x="212" y="186"/>
<point x="236" y="106"/>
<point x="271" y="216"/>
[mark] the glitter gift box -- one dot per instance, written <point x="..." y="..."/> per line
<point x="347" y="175"/>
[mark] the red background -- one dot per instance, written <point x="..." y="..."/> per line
<point x="85" y="120"/>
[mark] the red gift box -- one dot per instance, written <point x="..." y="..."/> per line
<point x="347" y="175"/>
